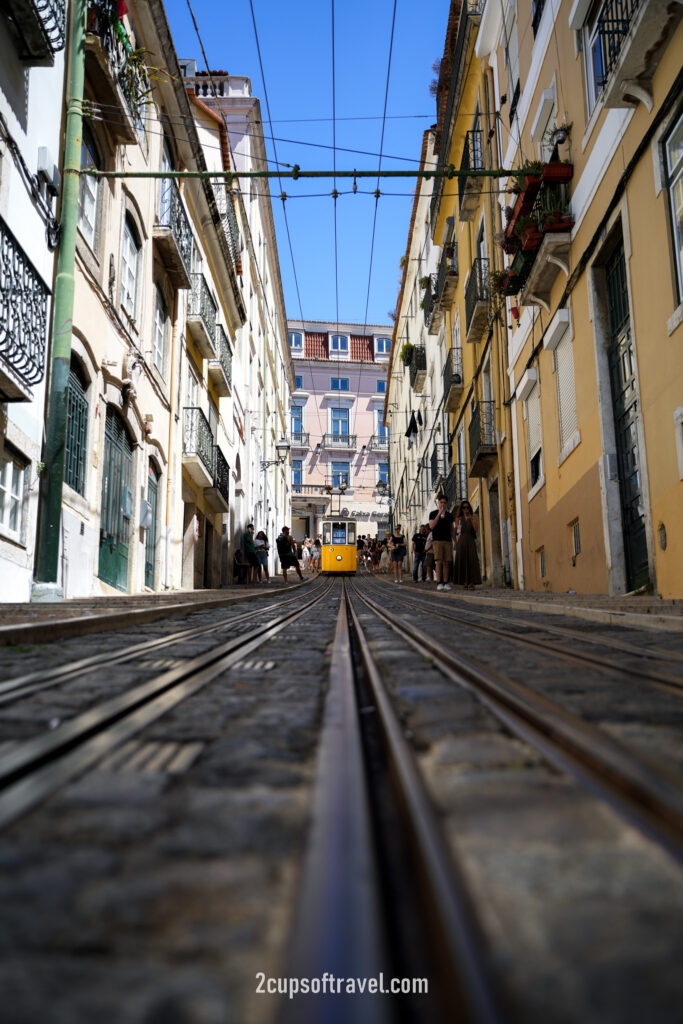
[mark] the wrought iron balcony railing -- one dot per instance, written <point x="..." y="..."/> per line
<point x="452" y="379"/>
<point x="197" y="438"/>
<point x="439" y="462"/>
<point x="129" y="75"/>
<point x="221" y="475"/>
<point x="477" y="289"/>
<point x="418" y="367"/>
<point x="39" y="28"/>
<point x="472" y="160"/>
<point x="226" y="208"/>
<point x="455" y="485"/>
<point x="379" y="442"/>
<point x="300" y="438"/>
<point x="614" y="25"/>
<point x="340" y="440"/>
<point x="202" y="307"/>
<point x="172" y="215"/>
<point x="429" y="301"/>
<point x="482" y="432"/>
<point x="448" y="270"/>
<point x="23" y="319"/>
<point x="224" y="353"/>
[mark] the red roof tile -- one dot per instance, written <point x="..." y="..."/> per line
<point x="361" y="347"/>
<point x="316" y="345"/>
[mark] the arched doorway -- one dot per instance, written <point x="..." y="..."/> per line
<point x="117" y="502"/>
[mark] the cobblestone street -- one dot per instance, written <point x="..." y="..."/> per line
<point x="157" y="879"/>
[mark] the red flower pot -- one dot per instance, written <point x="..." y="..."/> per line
<point x="531" y="239"/>
<point x="557" y="174"/>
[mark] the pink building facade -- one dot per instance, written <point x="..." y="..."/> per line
<point x="339" y="447"/>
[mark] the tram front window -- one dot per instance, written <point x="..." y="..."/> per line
<point x="339" y="533"/>
<point x="327" y="533"/>
<point x="351" y="533"/>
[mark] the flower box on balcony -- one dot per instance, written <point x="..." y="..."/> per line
<point x="557" y="173"/>
<point x="558" y="220"/>
<point x="525" y="202"/>
<point x="531" y="238"/>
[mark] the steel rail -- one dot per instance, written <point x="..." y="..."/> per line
<point x="34" y="769"/>
<point x="43" y="679"/>
<point x="646" y="793"/>
<point x="59" y="629"/>
<point x="672" y="683"/>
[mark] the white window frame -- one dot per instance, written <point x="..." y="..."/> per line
<point x="386" y="346"/>
<point x="674" y="176"/>
<point x="12" y="488"/>
<point x="293" y="344"/>
<point x="589" y="40"/>
<point x="160" y="321"/>
<point x="130" y="258"/>
<point x="340" y="380"/>
<point x="88" y="193"/>
<point x="340" y="352"/>
<point x="346" y="472"/>
<point x="382" y="476"/>
<point x="381" y="390"/>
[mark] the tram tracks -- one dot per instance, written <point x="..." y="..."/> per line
<point x="642" y="790"/>
<point x="33" y="769"/>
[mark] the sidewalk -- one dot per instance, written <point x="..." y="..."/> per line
<point x="637" y="611"/>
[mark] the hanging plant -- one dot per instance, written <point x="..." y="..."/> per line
<point x="407" y="353"/>
<point x="424" y="281"/>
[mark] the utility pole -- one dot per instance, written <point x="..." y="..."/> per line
<point x="45" y="586"/>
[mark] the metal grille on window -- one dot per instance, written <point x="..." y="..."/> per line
<point x="76" y="434"/>
<point x="566" y="390"/>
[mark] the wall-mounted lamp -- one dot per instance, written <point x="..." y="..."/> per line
<point x="282" y="448"/>
<point x="364" y="449"/>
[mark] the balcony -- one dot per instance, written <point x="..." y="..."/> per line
<point x="545" y="243"/>
<point x="226" y="209"/>
<point x="23" y="321"/>
<point x="477" y="300"/>
<point x="38" y="28"/>
<point x="446" y="282"/>
<point x="429" y="304"/>
<point x="469" y="186"/>
<point x="198" y="446"/>
<point x="418" y="368"/>
<point x="452" y="380"/>
<point x="220" y="369"/>
<point x="340" y="442"/>
<point x="379" y="443"/>
<point x="439" y="463"/>
<point x="316" y="491"/>
<point x="470" y="14"/>
<point x="172" y="235"/>
<point x="482" y="435"/>
<point x="455" y="485"/>
<point x="632" y="35"/>
<point x="201" y="316"/>
<point x="300" y="439"/>
<point x="116" y="82"/>
<point x="217" y="496"/>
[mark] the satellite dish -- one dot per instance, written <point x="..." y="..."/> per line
<point x="345" y="511"/>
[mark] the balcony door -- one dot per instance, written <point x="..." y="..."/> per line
<point x="340" y="422"/>
<point x="115" y="511"/>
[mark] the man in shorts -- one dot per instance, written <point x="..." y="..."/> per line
<point x="442" y="525"/>
<point x="286" y="550"/>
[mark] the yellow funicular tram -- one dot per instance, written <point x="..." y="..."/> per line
<point x="339" y="546"/>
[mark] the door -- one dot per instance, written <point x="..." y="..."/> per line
<point x="116" y="503"/>
<point x="151" y="539"/>
<point x="624" y="385"/>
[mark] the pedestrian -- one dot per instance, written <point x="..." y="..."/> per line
<point x="250" y="553"/>
<point x="397" y="543"/>
<point x="375" y="552"/>
<point x="317" y="553"/>
<point x="286" y="549"/>
<point x="384" y="560"/>
<point x="305" y="555"/>
<point x="418" y="546"/>
<point x="441" y="523"/>
<point x="262" y="548"/>
<point x="429" y="558"/>
<point x="467" y="571"/>
<point x="240" y="567"/>
<point x="359" y="551"/>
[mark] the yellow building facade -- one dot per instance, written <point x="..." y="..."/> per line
<point x="591" y="108"/>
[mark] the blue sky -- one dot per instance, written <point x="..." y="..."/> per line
<point x="296" y="49"/>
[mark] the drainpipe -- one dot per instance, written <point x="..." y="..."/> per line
<point x="170" y="468"/>
<point x="45" y="586"/>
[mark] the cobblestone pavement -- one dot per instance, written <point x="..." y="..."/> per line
<point x="156" y="887"/>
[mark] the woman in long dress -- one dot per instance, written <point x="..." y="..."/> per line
<point x="467" y="571"/>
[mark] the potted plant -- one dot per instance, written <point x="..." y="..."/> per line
<point x="556" y="213"/>
<point x="424" y="281"/>
<point x="407" y="353"/>
<point x="557" y="173"/>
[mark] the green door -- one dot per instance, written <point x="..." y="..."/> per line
<point x="151" y="541"/>
<point x="116" y="495"/>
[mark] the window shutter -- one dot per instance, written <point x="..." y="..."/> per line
<point x="566" y="393"/>
<point x="533" y="415"/>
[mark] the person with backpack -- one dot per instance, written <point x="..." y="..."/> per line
<point x="286" y="550"/>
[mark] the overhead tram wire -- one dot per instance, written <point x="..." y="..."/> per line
<point x="377" y="192"/>
<point x="283" y="196"/>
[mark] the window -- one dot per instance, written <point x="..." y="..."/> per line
<point x="340" y="474"/>
<point x="340" y="421"/>
<point x="339" y="345"/>
<point x="297" y="467"/>
<point x="674" y="173"/>
<point x="129" y="269"/>
<point x="340" y="383"/>
<point x="383" y="473"/>
<point x="298" y="383"/>
<point x="381" y="430"/>
<point x="382" y="346"/>
<point x="76" y="431"/>
<point x="88" y="189"/>
<point x="297" y="419"/>
<point x="160" y="318"/>
<point x="166" y="189"/>
<point x="296" y="341"/>
<point x="576" y="538"/>
<point x="533" y="414"/>
<point x="192" y="389"/>
<point x="12" y="475"/>
<point x="512" y="59"/>
<point x="592" y="55"/>
<point x="566" y="392"/>
<point x="381" y="387"/>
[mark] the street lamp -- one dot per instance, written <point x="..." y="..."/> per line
<point x="282" y="448"/>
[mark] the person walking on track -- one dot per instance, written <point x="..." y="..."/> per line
<point x="286" y="549"/>
<point x="442" y="524"/>
<point x="418" y="542"/>
<point x="467" y="571"/>
<point x="398" y="546"/>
